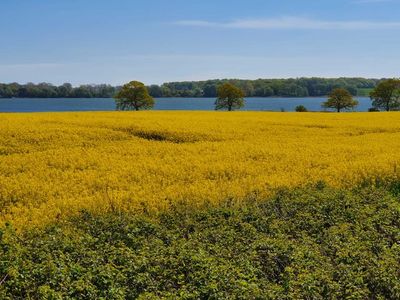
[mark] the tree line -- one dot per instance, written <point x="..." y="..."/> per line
<point x="385" y="96"/>
<point x="300" y="87"/>
<point x="47" y="90"/>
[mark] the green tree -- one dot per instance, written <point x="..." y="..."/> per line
<point x="65" y="90"/>
<point x="301" y="108"/>
<point x="83" y="91"/>
<point x="133" y="96"/>
<point x="210" y="90"/>
<point x="155" y="90"/>
<point x="229" y="97"/>
<point x="340" y="99"/>
<point x="386" y="95"/>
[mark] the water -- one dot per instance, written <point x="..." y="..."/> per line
<point x="107" y="104"/>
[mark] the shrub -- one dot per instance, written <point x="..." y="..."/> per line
<point x="301" y="108"/>
<point x="312" y="243"/>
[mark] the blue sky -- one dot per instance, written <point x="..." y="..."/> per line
<point x="155" y="41"/>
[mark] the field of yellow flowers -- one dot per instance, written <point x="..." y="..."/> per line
<point x="53" y="165"/>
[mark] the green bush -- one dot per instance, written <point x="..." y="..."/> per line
<point x="312" y="243"/>
<point x="301" y="108"/>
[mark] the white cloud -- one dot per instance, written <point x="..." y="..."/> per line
<point x="293" y="23"/>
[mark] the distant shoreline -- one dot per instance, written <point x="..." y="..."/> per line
<point x="164" y="104"/>
<point x="249" y="97"/>
<point x="294" y="88"/>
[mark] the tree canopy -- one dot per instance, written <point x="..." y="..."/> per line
<point x="47" y="90"/>
<point x="340" y="99"/>
<point x="301" y="108"/>
<point x="386" y="95"/>
<point x="298" y="87"/>
<point x="229" y="97"/>
<point x="133" y="96"/>
<point x="294" y="87"/>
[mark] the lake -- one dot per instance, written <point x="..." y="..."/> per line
<point x="104" y="104"/>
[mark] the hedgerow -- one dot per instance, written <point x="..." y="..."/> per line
<point x="302" y="243"/>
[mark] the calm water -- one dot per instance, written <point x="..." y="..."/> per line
<point x="102" y="104"/>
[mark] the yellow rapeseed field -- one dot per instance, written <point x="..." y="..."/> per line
<point x="52" y="165"/>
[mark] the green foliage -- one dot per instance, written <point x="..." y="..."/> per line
<point x="310" y="243"/>
<point x="229" y="97"/>
<point x="364" y="92"/>
<point x="300" y="87"/>
<point x="47" y="90"/>
<point x="340" y="99"/>
<point x="386" y="95"/>
<point x="133" y="96"/>
<point x="301" y="108"/>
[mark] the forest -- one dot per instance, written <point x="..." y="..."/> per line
<point x="299" y="87"/>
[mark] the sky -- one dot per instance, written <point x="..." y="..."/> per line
<point x="156" y="41"/>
